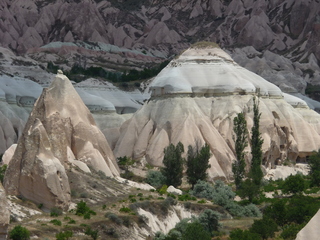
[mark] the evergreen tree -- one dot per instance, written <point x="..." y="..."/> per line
<point x="173" y="164"/>
<point x="314" y="164"/>
<point x="197" y="163"/>
<point x="256" y="146"/>
<point x="240" y="129"/>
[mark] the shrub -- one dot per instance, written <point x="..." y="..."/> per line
<point x="239" y="234"/>
<point x="294" y="184"/>
<point x="92" y="233"/>
<point x="19" y="233"/>
<point x="202" y="189"/>
<point x="222" y="193"/>
<point x="82" y="208"/>
<point x="64" y="235"/>
<point x="163" y="189"/>
<point x="209" y="219"/>
<point x="114" y="218"/>
<point x="195" y="231"/>
<point x="290" y="231"/>
<point x="265" y="227"/>
<point x="3" y="169"/>
<point x="125" y="210"/>
<point x="55" y="212"/>
<point x="56" y="222"/>
<point x="155" y="178"/>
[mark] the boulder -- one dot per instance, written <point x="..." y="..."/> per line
<point x="59" y="122"/>
<point x="173" y="190"/>
<point x="4" y="214"/>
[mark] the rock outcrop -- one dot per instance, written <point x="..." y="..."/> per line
<point x="4" y="214"/>
<point x="195" y="99"/>
<point x="60" y="127"/>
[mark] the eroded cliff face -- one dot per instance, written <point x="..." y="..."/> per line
<point x="59" y="131"/>
<point x="195" y="99"/>
<point x="164" y="27"/>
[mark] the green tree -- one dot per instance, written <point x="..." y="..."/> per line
<point x="240" y="129"/>
<point x="314" y="164"/>
<point x="294" y="184"/>
<point x="239" y="234"/>
<point x="195" y="231"/>
<point x="173" y="164"/>
<point x="255" y="172"/>
<point x="265" y="227"/>
<point x="198" y="163"/>
<point x="19" y="233"/>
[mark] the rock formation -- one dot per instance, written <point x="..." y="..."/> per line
<point x="163" y="26"/>
<point x="311" y="231"/>
<point x="60" y="127"/>
<point x="195" y="99"/>
<point x="4" y="214"/>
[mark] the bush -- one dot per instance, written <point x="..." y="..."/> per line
<point x="125" y="210"/>
<point x="56" y="222"/>
<point x="209" y="219"/>
<point x="92" y="233"/>
<point x="265" y="227"/>
<point x="290" y="231"/>
<point x="19" y="233"/>
<point x="195" y="231"/>
<point x="294" y="184"/>
<point x="64" y="235"/>
<point x="239" y="234"/>
<point x="82" y="208"/>
<point x="155" y="178"/>
<point x="55" y="212"/>
<point x="114" y="218"/>
<point x="3" y="169"/>
<point x="202" y="189"/>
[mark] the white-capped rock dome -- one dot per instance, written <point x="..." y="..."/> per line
<point x="210" y="72"/>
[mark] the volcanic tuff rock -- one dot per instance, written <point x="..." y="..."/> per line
<point x="60" y="126"/>
<point x="195" y="99"/>
<point x="163" y="26"/>
<point x="4" y="214"/>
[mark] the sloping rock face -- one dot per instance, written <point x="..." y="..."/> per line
<point x="58" y="123"/>
<point x="311" y="230"/>
<point x="195" y="99"/>
<point x="4" y="214"/>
